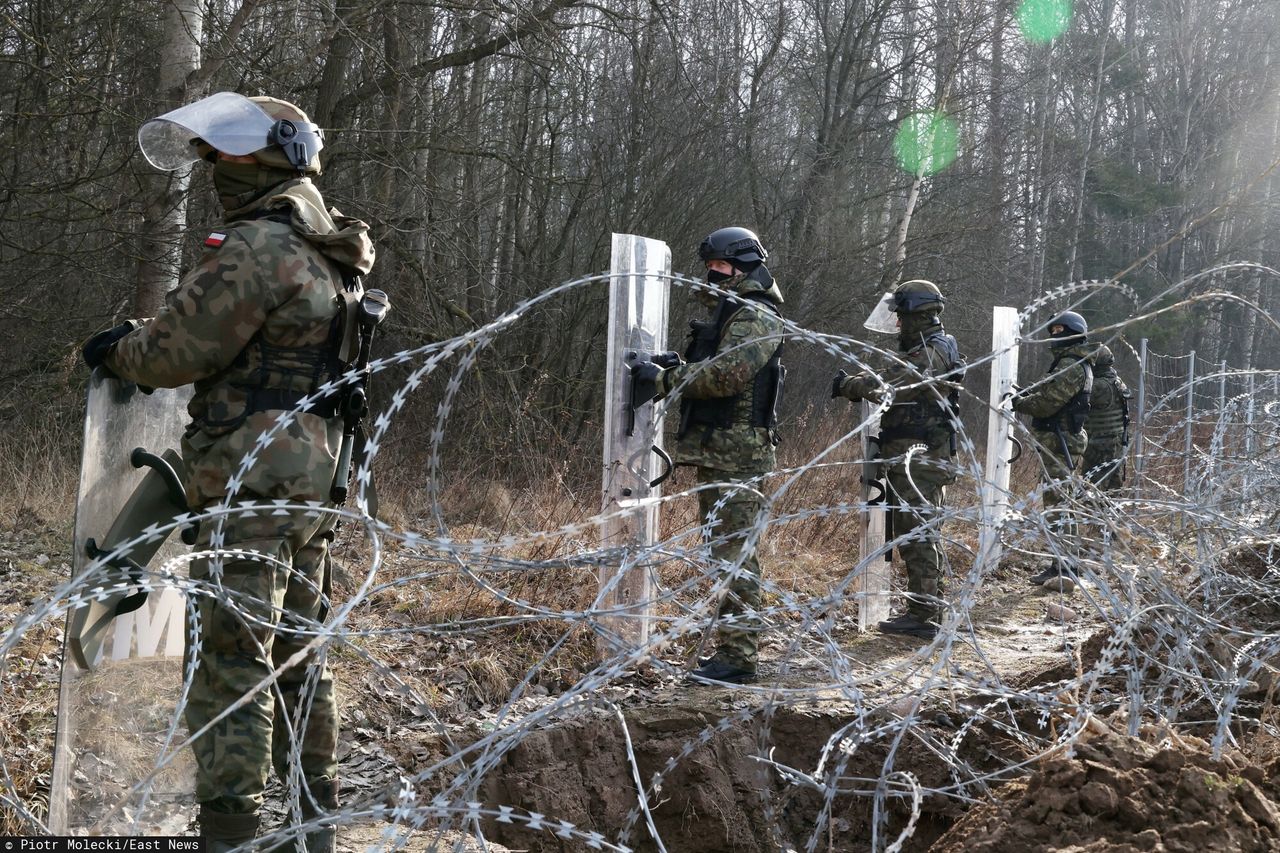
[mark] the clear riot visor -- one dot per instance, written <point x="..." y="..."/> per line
<point x="883" y="319"/>
<point x="231" y="123"/>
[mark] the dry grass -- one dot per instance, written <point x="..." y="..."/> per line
<point x="804" y="558"/>
<point x="40" y="467"/>
<point x="29" y="680"/>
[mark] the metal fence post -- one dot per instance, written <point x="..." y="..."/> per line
<point x="1139" y="454"/>
<point x="1248" y="438"/>
<point x="1222" y="386"/>
<point x="1188" y="442"/>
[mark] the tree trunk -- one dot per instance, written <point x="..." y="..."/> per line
<point x="1095" y="112"/>
<point x="164" y="215"/>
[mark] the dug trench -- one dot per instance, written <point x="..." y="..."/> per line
<point x="747" y="769"/>
<point x="742" y="770"/>
<point x="724" y="793"/>
<point x="734" y="779"/>
<point x="743" y="773"/>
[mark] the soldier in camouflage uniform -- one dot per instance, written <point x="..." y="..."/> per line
<point x="729" y="392"/>
<point x="1108" y="423"/>
<point x="254" y="327"/>
<point x="1058" y="405"/>
<point x="925" y="395"/>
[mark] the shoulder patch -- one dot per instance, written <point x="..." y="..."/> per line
<point x="215" y="240"/>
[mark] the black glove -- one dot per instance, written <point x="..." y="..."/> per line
<point x="837" y="382"/>
<point x="96" y="348"/>
<point x="645" y="380"/>
<point x="667" y="359"/>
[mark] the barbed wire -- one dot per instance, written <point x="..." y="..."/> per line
<point x="1176" y="586"/>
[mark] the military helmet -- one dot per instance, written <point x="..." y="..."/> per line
<point x="733" y="244"/>
<point x="917" y="295"/>
<point x="1074" y="329"/>
<point x="295" y="140"/>
<point x="275" y="133"/>
<point x="1103" y="358"/>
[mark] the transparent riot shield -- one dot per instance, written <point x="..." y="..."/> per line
<point x="116" y="770"/>
<point x="634" y="461"/>
<point x="1000" y="447"/>
<point x="877" y="570"/>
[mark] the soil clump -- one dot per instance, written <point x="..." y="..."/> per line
<point x="1118" y="794"/>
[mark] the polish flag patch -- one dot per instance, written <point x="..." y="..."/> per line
<point x="215" y="240"/>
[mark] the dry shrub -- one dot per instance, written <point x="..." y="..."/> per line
<point x="39" y="465"/>
<point x="29" y="697"/>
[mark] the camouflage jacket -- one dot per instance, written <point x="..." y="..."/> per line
<point x="748" y="341"/>
<point x="255" y="314"/>
<point x="921" y="411"/>
<point x="1065" y="379"/>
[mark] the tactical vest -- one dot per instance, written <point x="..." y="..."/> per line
<point x="268" y="377"/>
<point x="920" y="420"/>
<point x="766" y="387"/>
<point x="1072" y="416"/>
<point x="1112" y="419"/>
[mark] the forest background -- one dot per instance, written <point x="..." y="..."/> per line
<point x="999" y="149"/>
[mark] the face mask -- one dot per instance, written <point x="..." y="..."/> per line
<point x="239" y="183"/>
<point x="717" y="277"/>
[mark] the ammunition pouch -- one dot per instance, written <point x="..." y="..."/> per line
<point x="1059" y="423"/>
<point x="267" y="377"/>
<point x="766" y="393"/>
<point x="915" y="432"/>
<point x="278" y="399"/>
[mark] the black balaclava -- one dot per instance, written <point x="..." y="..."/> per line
<point x="915" y="325"/>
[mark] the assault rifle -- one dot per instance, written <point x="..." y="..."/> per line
<point x="353" y="402"/>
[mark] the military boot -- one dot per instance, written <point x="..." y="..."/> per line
<point x="723" y="670"/>
<point x="1057" y="568"/>
<point x="323" y="839"/>
<point x="317" y="839"/>
<point x="224" y="832"/>
<point x="910" y="624"/>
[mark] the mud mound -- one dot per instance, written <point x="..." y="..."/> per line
<point x="1247" y="574"/>
<point x="719" y="796"/>
<point x="1120" y="794"/>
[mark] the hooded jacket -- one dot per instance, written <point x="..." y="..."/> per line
<point x="256" y="314"/>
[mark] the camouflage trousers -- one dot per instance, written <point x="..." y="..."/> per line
<point x="1104" y="462"/>
<point x="915" y="501"/>
<point x="271" y="616"/>
<point x="736" y="641"/>
<point x="1060" y="514"/>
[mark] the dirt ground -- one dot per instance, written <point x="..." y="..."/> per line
<point x="740" y="768"/>
<point x="716" y="794"/>
<point x="1119" y="794"/>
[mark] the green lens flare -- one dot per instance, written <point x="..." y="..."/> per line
<point x="1043" y="20"/>
<point x="926" y="143"/>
